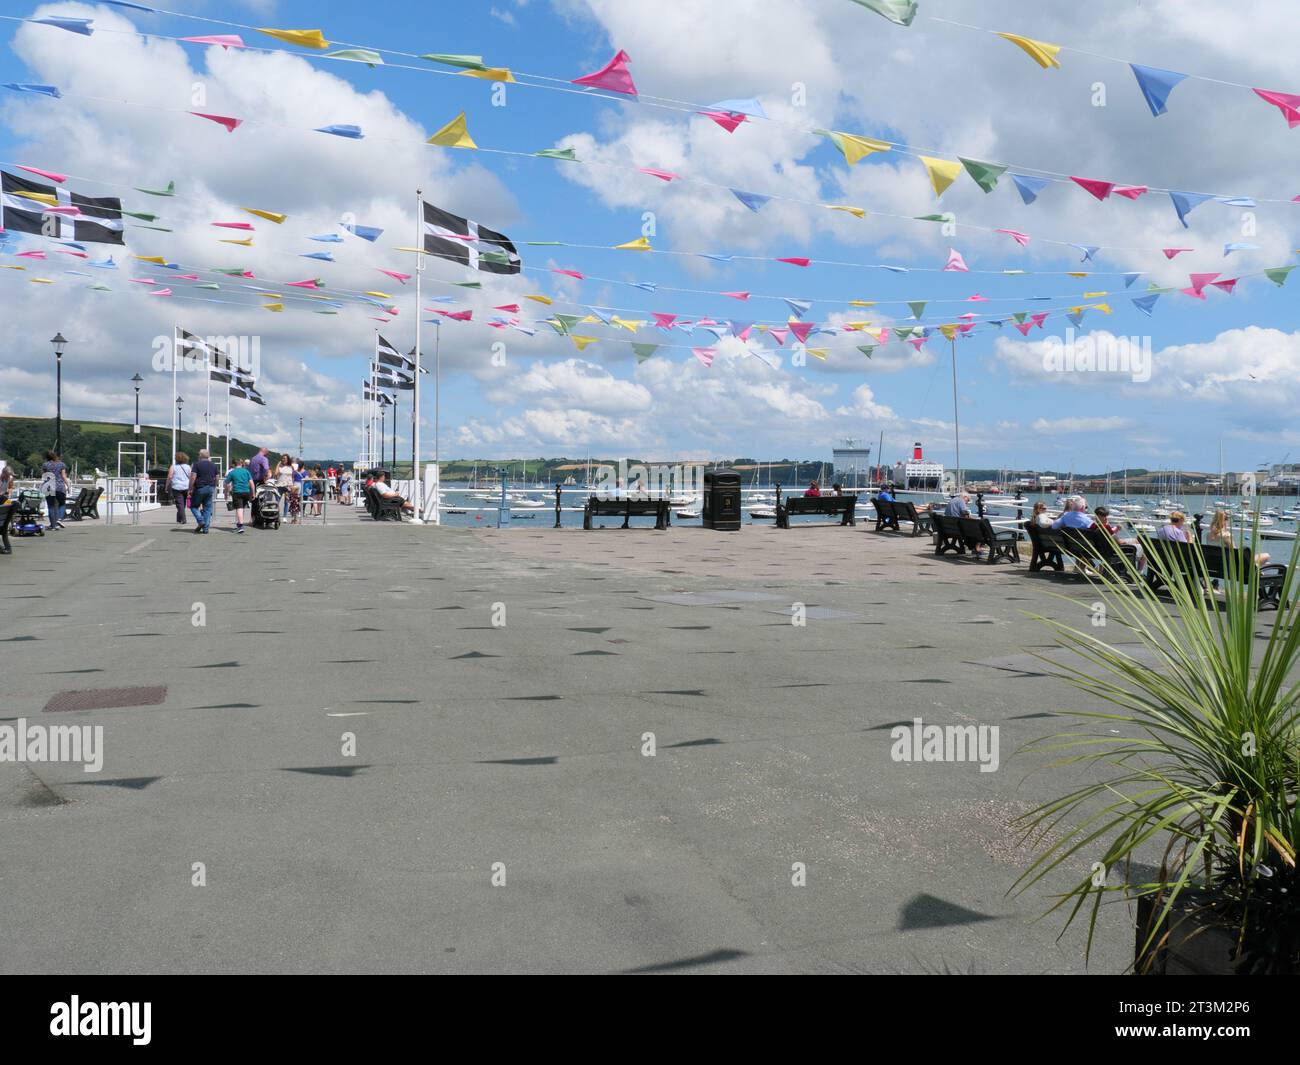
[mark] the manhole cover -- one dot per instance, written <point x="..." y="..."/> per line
<point x="106" y="698"/>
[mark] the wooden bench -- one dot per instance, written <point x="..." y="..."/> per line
<point x="1098" y="549"/>
<point x="1046" y="547"/>
<point x="86" y="505"/>
<point x="889" y="514"/>
<point x="843" y="505"/>
<point x="948" y="534"/>
<point x="1002" y="543"/>
<point x="1219" y="565"/>
<point x="627" y="509"/>
<point x="6" y="519"/>
<point x="383" y="508"/>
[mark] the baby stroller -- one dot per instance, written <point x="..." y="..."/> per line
<point x="27" y="514"/>
<point x="266" y="507"/>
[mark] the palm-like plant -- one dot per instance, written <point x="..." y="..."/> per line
<point x="1206" y="759"/>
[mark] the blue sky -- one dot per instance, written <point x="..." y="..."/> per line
<point x="1224" y="369"/>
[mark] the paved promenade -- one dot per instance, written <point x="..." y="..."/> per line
<point x="521" y="743"/>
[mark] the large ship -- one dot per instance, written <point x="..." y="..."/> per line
<point x="918" y="474"/>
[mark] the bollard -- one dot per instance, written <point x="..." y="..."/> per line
<point x="979" y="503"/>
<point x="557" y="506"/>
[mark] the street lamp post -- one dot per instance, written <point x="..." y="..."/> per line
<point x="180" y="404"/>
<point x="58" y="341"/>
<point x="137" y="380"/>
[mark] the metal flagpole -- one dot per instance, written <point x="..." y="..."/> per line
<point x="227" y="428"/>
<point x="396" y="407"/>
<point x="417" y="481"/>
<point x="175" y="419"/>
<point x="956" y="429"/>
<point x="207" y="401"/>
<point x="437" y="416"/>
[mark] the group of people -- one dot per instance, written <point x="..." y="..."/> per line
<point x="302" y="490"/>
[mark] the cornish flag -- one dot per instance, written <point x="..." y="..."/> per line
<point x="393" y="379"/>
<point x="389" y="355"/>
<point x="58" y="213"/>
<point x="461" y="240"/>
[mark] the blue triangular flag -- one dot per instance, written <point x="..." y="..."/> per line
<point x="894" y="269"/>
<point x="602" y="313"/>
<point x="1228" y="249"/>
<point x="1186" y="202"/>
<point x="104" y="264"/>
<point x="1076" y="317"/>
<point x="369" y="233"/>
<point x="1146" y="303"/>
<point x="748" y="106"/>
<point x="328" y="238"/>
<point x="323" y="256"/>
<point x="1089" y="250"/>
<point x="715" y="258"/>
<point x="44" y="90"/>
<point x="752" y="200"/>
<point x="1236" y="201"/>
<point x="1156" y="85"/>
<point x="1029" y="187"/>
<point x="798" y="307"/>
<point x="72" y="25"/>
<point x="647" y="286"/>
<point x="1129" y="279"/>
<point x="352" y="132"/>
<point x="738" y="327"/>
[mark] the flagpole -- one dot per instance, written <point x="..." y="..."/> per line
<point x="175" y="419"/>
<point x="396" y="407"/>
<point x="227" y="428"/>
<point x="417" y="482"/>
<point x="437" y="414"/>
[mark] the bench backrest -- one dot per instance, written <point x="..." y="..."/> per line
<point x="821" y="504"/>
<point x="946" y="525"/>
<point x="7" y="513"/>
<point x="885" y="508"/>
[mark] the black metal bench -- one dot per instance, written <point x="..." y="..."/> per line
<point x="1002" y="543"/>
<point x="889" y="514"/>
<point x="383" y="508"/>
<point x="86" y="505"/>
<point x="845" y="506"/>
<point x="1096" y="548"/>
<point x="885" y="516"/>
<point x="1046" y="547"/>
<point x="1219" y="565"/>
<point x="6" y="519"/>
<point x="627" y="508"/>
<point x="948" y="534"/>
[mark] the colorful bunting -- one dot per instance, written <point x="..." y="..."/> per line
<point x="613" y="76"/>
<point x="1156" y="85"/>
<point x="1040" y="52"/>
<point x="753" y="200"/>
<point x="1186" y="202"/>
<point x="1099" y="189"/>
<point x="985" y="175"/>
<point x="305" y="38"/>
<point x="854" y="147"/>
<point x="943" y="172"/>
<point x="231" y="124"/>
<point x="454" y="134"/>
<point x="1029" y="187"/>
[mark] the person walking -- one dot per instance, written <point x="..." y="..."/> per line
<point x="203" y="487"/>
<point x="54" y="485"/>
<point x="260" y="467"/>
<point x="240" y="479"/>
<point x="178" y="480"/>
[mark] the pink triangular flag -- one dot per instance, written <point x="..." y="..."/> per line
<point x="968" y="315"/>
<point x="1038" y="319"/>
<point x="67" y="210"/>
<point x="161" y="292"/>
<point x="726" y="119"/>
<point x="1199" y="281"/>
<point x="1286" y="102"/>
<point x="663" y="175"/>
<point x="884" y="336"/>
<point x="226" y="40"/>
<point x="1020" y="238"/>
<point x="509" y="308"/>
<point x="613" y="76"/>
<point x="374" y="319"/>
<point x="1196" y="293"/>
<point x="231" y="124"/>
<point x="1131" y="192"/>
<point x="395" y="275"/>
<point x="779" y="335"/>
<point x="734" y="296"/>
<point x="30" y="255"/>
<point x="232" y="225"/>
<point x="977" y="298"/>
<point x="72" y="252"/>
<point x="568" y="273"/>
<point x="917" y="342"/>
<point x="966" y="327"/>
<point x="1024" y="327"/>
<point x="188" y="277"/>
<point x="705" y="355"/>
<point x="1100" y="189"/>
<point x="744" y="333"/>
<point x="664" y="321"/>
<point x="801" y="330"/>
<point x="1171" y="252"/>
<point x="303" y="284"/>
<point x="142" y="281"/>
<point x="796" y="261"/>
<point x="58" y="179"/>
<point x="956" y="262"/>
<point x="1227" y="285"/>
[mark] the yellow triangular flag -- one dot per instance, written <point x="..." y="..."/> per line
<point x="630" y="325"/>
<point x="581" y="342"/>
<point x="1040" y="52"/>
<point x="277" y="307"/>
<point x="454" y="134"/>
<point x="818" y="353"/>
<point x="1077" y="273"/>
<point x="7" y="266"/>
<point x="305" y="38"/>
<point x="1103" y="307"/>
<point x="247" y="242"/>
<point x="640" y="244"/>
<point x="39" y="197"/>
<point x="855" y="147"/>
<point x="541" y="299"/>
<point x="151" y="259"/>
<point x="404" y="248"/>
<point x="40" y="281"/>
<point x="490" y="74"/>
<point x="380" y="295"/>
<point x="856" y="212"/>
<point x="856" y="325"/>
<point x="270" y="216"/>
<point x="943" y="172"/>
<point x="949" y="331"/>
<point x="862" y="303"/>
<point x="1094" y="295"/>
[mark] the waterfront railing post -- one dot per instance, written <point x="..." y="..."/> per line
<point x="557" y="506"/>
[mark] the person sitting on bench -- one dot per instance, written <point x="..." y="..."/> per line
<point x="813" y="489"/>
<point x="886" y="494"/>
<point x="1040" y="517"/>
<point x="1174" y="530"/>
<point x="1075" y="515"/>
<point x="959" y="507"/>
<point x="387" y="491"/>
<point x="1220" y="534"/>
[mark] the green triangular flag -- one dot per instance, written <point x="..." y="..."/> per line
<point x="144" y="216"/>
<point x="918" y="308"/>
<point x="1278" y="274"/>
<point x="544" y="244"/>
<point x="209" y="284"/>
<point x="170" y="190"/>
<point x="568" y="321"/>
<point x="559" y="153"/>
<point x="985" y="175"/>
<point x="469" y="284"/>
<point x="99" y="286"/>
<point x="327" y="312"/>
<point x="899" y="12"/>
<point x="934" y="218"/>
<point x="1020" y="316"/>
<point x="903" y="334"/>
<point x="159" y="229"/>
<point x="867" y="349"/>
<point x="469" y="62"/>
<point x="358" y="55"/>
<point x="644" y="351"/>
<point x="494" y="257"/>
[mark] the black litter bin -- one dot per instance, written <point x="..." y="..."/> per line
<point x="722" y="500"/>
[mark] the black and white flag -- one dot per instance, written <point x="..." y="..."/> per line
<point x="25" y="208"/>
<point x="462" y="240"/>
<point x="389" y="355"/>
<point x="392" y="379"/>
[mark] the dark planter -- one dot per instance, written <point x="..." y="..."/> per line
<point x="1192" y="942"/>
